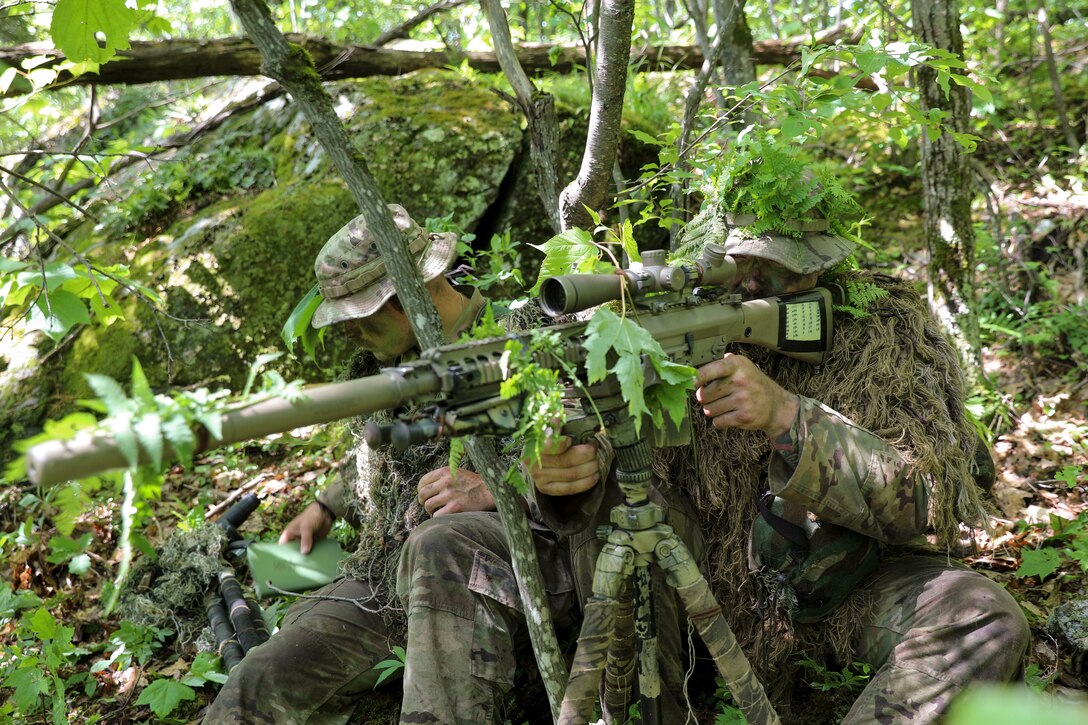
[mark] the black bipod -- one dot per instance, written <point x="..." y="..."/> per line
<point x="233" y="612"/>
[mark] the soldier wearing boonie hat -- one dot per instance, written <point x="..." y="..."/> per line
<point x="351" y="273"/>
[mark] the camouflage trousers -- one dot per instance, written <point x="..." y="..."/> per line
<point x="314" y="669"/>
<point x="936" y="628"/>
<point x="465" y="617"/>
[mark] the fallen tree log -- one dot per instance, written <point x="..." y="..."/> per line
<point x="171" y="60"/>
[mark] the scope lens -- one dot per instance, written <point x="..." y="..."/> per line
<point x="553" y="296"/>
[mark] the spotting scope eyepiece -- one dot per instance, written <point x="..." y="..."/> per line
<point x="576" y="292"/>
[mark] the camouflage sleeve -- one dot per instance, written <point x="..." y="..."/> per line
<point x="339" y="496"/>
<point x="848" y="476"/>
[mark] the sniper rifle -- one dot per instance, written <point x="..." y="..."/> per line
<point x="684" y="307"/>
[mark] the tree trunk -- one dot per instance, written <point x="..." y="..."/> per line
<point x="590" y="188"/>
<point x="170" y="60"/>
<point x="730" y="55"/>
<point x="947" y="186"/>
<point x="539" y="110"/>
<point x="1052" y="73"/>
<point x="292" y="67"/>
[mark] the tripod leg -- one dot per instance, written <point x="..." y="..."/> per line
<point x="580" y="699"/>
<point x="705" y="613"/>
<point x="649" y="676"/>
<point x="619" y="671"/>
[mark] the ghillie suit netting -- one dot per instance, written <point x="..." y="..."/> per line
<point x="168" y="592"/>
<point x="894" y="373"/>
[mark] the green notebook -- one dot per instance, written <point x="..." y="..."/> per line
<point x="283" y="566"/>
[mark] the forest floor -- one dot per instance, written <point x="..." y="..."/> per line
<point x="1039" y="422"/>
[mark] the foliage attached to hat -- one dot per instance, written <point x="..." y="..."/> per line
<point x="778" y="184"/>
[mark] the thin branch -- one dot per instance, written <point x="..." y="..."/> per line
<point x="63" y="199"/>
<point x="903" y="24"/>
<point x="539" y="111"/>
<point x="402" y="30"/>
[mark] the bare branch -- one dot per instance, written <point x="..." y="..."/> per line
<point x="402" y="30"/>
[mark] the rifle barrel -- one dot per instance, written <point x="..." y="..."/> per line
<point x="57" y="461"/>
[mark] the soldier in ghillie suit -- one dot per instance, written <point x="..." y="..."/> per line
<point x="817" y="487"/>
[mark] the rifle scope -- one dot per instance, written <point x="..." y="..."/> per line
<point x="576" y="292"/>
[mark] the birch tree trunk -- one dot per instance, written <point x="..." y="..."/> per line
<point x="590" y="187"/>
<point x="294" y="69"/>
<point x="947" y="186"/>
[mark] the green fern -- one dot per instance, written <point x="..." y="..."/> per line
<point x="859" y="295"/>
<point x="776" y="182"/>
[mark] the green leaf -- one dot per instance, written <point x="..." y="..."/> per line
<point x="1069" y="475"/>
<point x="646" y="138"/>
<point x="8" y="265"/>
<point x="120" y="426"/>
<point x="80" y="564"/>
<point x="77" y="25"/>
<point x="12" y="601"/>
<point x="6" y="78"/>
<point x="71" y="502"/>
<point x="869" y="62"/>
<point x="109" y="392"/>
<point x="162" y="696"/>
<point x="570" y="251"/>
<point x="148" y="430"/>
<point x="213" y="422"/>
<point x="1038" y="562"/>
<point x="207" y="666"/>
<point x="61" y="548"/>
<point x="29" y="683"/>
<point x="968" y="141"/>
<point x="141" y="390"/>
<point x="630" y="246"/>
<point x="390" y="666"/>
<point x="672" y="396"/>
<point x="262" y="360"/>
<point x="176" y="430"/>
<point x="602" y="330"/>
<point x="41" y="623"/>
<point x="457" y="452"/>
<point x="298" y="322"/>
<point x="57" y="312"/>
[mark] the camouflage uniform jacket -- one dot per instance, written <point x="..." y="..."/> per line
<point x="836" y="492"/>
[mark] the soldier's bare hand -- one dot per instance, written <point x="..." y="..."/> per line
<point x="566" y="469"/>
<point x="313" y="524"/>
<point x="440" y="492"/>
<point x="735" y="393"/>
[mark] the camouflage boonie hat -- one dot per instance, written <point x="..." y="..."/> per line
<point x="814" y="251"/>
<point x="351" y="274"/>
